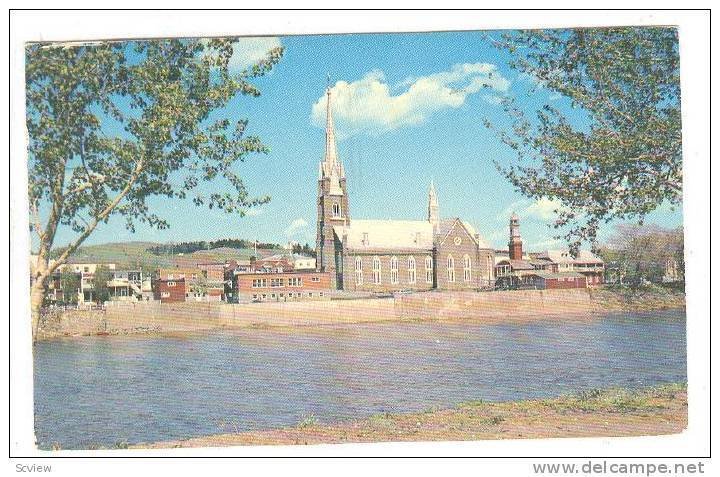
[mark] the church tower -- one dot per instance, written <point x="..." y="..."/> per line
<point x="433" y="208"/>
<point x="515" y="244"/>
<point x="332" y="203"/>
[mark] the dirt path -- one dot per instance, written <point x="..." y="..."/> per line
<point x="651" y="411"/>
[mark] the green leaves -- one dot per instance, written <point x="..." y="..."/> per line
<point x="620" y="155"/>
<point x="114" y="123"/>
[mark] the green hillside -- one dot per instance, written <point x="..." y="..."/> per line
<point x="134" y="255"/>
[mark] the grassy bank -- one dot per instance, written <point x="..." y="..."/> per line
<point x="594" y="413"/>
<point x="647" y="298"/>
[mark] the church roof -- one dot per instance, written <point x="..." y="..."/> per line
<point x="446" y="226"/>
<point x="387" y="234"/>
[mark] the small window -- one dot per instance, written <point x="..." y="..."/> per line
<point x="411" y="269"/>
<point x="394" y="270"/>
<point x="428" y="269"/>
<point x="165" y="294"/>
<point x="358" y="271"/>
<point x="467" y="268"/>
<point x="450" y="269"/>
<point x="336" y="210"/>
<point x="377" y="270"/>
<point x="171" y="284"/>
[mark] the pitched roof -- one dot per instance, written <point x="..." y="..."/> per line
<point x="387" y="234"/>
<point x="563" y="256"/>
<point x="521" y="265"/>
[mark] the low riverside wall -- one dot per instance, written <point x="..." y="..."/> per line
<point x="123" y="318"/>
<point x="504" y="304"/>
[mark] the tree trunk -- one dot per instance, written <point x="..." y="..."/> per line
<point x="37" y="296"/>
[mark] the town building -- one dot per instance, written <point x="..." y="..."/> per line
<point x="169" y="290"/>
<point x="673" y="271"/>
<point x="548" y="269"/>
<point x="204" y="283"/>
<point x="129" y="285"/>
<point x="282" y="286"/>
<point x="392" y="255"/>
<point x="283" y="262"/>
<point x="85" y="273"/>
<point x="586" y="263"/>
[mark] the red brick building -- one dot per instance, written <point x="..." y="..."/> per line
<point x="285" y="286"/>
<point x="169" y="290"/>
<point x="554" y="281"/>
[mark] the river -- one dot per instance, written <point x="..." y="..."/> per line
<point x="103" y="391"/>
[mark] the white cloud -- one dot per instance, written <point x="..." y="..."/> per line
<point x="542" y="209"/>
<point x="248" y="51"/>
<point x="545" y="208"/>
<point x="255" y="211"/>
<point x="550" y="244"/>
<point x="368" y="105"/>
<point x="295" y="226"/>
<point x="493" y="99"/>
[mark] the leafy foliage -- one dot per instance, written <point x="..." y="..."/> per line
<point x="637" y="254"/>
<point x="70" y="284"/>
<point x="114" y="124"/>
<point x="306" y="250"/>
<point x="615" y="151"/>
<point x="101" y="292"/>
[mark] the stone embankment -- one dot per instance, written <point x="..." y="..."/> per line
<point x="154" y="317"/>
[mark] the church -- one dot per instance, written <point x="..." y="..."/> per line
<point x="393" y="255"/>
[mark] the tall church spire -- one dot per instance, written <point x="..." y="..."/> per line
<point x="331" y="166"/>
<point x="433" y="208"/>
<point x="330" y="145"/>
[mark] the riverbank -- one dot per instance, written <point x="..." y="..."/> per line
<point x="651" y="411"/>
<point x="524" y="305"/>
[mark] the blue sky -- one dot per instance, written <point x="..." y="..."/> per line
<point x="408" y="111"/>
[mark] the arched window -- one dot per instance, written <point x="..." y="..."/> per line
<point x="377" y="270"/>
<point x="450" y="268"/>
<point x="428" y="269"/>
<point x="467" y="268"/>
<point x="394" y="270"/>
<point x="336" y="210"/>
<point x="411" y="269"/>
<point x="358" y="271"/>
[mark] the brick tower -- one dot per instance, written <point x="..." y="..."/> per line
<point x="515" y="244"/>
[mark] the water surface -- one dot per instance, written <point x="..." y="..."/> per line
<point x="101" y="391"/>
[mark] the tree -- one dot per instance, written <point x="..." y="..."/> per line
<point x="615" y="151"/>
<point x="70" y="283"/>
<point x="113" y="124"/>
<point x="101" y="292"/>
<point x="640" y="253"/>
<point x="306" y="249"/>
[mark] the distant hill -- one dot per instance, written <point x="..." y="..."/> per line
<point x="137" y="255"/>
